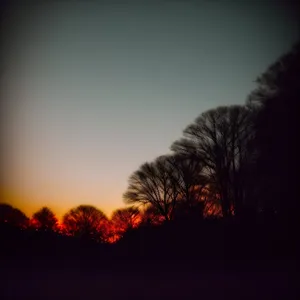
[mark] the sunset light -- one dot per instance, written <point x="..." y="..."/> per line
<point x="149" y="149"/>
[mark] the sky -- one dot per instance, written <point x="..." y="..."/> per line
<point x="91" y="90"/>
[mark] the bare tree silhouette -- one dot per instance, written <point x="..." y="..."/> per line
<point x="189" y="181"/>
<point x="86" y="222"/>
<point x="153" y="184"/>
<point x="219" y="138"/>
<point x="44" y="220"/>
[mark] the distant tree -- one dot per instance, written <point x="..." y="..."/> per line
<point x="12" y="216"/>
<point x="87" y="223"/>
<point x="44" y="220"/>
<point x="150" y="216"/>
<point x="152" y="184"/>
<point x="219" y="140"/>
<point x="125" y="219"/>
<point x="212" y="204"/>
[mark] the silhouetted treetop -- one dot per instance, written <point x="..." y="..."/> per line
<point x="125" y="219"/>
<point x="12" y="216"/>
<point x="281" y="77"/>
<point x="86" y="222"/>
<point x="44" y="220"/>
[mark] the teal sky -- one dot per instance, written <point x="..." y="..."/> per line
<point x="93" y="90"/>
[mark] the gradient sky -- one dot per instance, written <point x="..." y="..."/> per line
<point x="93" y="90"/>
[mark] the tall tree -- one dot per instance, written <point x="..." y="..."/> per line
<point x="86" y="222"/>
<point x="44" y="220"/>
<point x="275" y="101"/>
<point x="218" y="138"/>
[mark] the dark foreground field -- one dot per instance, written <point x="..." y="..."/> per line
<point x="147" y="280"/>
<point x="223" y="264"/>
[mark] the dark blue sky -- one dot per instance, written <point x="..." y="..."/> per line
<point x="93" y="90"/>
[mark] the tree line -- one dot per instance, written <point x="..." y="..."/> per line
<point x="84" y="221"/>
<point x="233" y="161"/>
<point x="236" y="162"/>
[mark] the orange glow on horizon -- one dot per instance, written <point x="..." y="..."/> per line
<point x="113" y="231"/>
<point x="60" y="208"/>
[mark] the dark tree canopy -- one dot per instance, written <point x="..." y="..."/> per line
<point x="276" y="101"/>
<point x="13" y="216"/>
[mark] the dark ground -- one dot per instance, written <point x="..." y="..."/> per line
<point x="152" y="266"/>
<point x="75" y="279"/>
